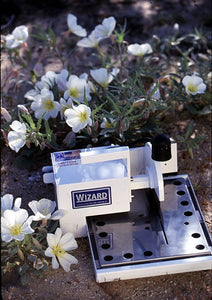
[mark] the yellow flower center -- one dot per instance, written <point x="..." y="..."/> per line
<point x="192" y="88"/>
<point x="16" y="229"/>
<point x="73" y="92"/>
<point x="48" y="104"/>
<point x="44" y="211"/>
<point x="83" y="116"/>
<point x="58" y="251"/>
<point x="108" y="125"/>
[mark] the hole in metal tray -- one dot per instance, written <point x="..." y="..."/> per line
<point x="188" y="213"/>
<point x="108" y="258"/>
<point x="128" y="255"/>
<point x="103" y="234"/>
<point x="105" y="246"/>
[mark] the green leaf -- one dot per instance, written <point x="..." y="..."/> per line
<point x="47" y="128"/>
<point x="53" y="37"/>
<point x="13" y="251"/>
<point x="11" y="265"/>
<point x="31" y="257"/>
<point x="115" y="106"/>
<point x="97" y="109"/>
<point x="22" y="269"/>
<point x="39" y="122"/>
<point x="189" y="130"/>
<point x="30" y="121"/>
<point x="24" y="278"/>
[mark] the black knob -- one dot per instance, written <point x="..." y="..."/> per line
<point x="161" y="148"/>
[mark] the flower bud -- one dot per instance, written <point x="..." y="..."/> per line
<point x="203" y="57"/>
<point x="36" y="243"/>
<point x="20" y="254"/>
<point x="28" y="144"/>
<point x="5" y="114"/>
<point x="89" y="130"/>
<point x="22" y="109"/>
<point x="96" y="125"/>
<point x="42" y="146"/>
<point x="156" y="38"/>
<point x="176" y="27"/>
<point x="38" y="69"/>
<point x="70" y="138"/>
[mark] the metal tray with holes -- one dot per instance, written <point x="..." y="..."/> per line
<point x="152" y="238"/>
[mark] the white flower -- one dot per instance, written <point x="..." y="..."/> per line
<point x="17" y="137"/>
<point x="62" y="80"/>
<point x="77" y="89"/>
<point x="139" y="50"/>
<point x="33" y="93"/>
<point x="74" y="28"/>
<point x="44" y="103"/>
<point x="107" y="123"/>
<point x="194" y="84"/>
<point x="89" y="42"/>
<point x="64" y="105"/>
<point x="156" y="95"/>
<point x="49" y="79"/>
<point x="44" y="210"/>
<point x="58" y="247"/>
<point x="78" y="117"/>
<point x="103" y="77"/>
<point x="18" y="37"/>
<point x="92" y="86"/>
<point x="106" y="28"/>
<point x="14" y="225"/>
<point x="7" y="203"/>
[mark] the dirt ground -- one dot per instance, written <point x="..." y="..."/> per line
<point x="144" y="18"/>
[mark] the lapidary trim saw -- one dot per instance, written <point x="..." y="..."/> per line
<point x="141" y="218"/>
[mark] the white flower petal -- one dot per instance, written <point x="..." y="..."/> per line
<point x="193" y="84"/>
<point x="6" y="237"/>
<point x="17" y="204"/>
<point x="66" y="261"/>
<point x="90" y="42"/>
<point x="21" y="215"/>
<point x="49" y="253"/>
<point x="58" y="214"/>
<point x="58" y="234"/>
<point x="106" y="28"/>
<point x="16" y="140"/>
<point x="52" y="240"/>
<point x="27" y="228"/>
<point x="68" y="242"/>
<point x="20" y="33"/>
<point x="18" y="127"/>
<point x="6" y="202"/>
<point x="55" y="264"/>
<point x="74" y="27"/>
<point x="33" y="206"/>
<point x="201" y="88"/>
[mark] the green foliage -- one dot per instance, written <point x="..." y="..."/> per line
<point x="188" y="141"/>
<point x="146" y="90"/>
<point x="28" y="255"/>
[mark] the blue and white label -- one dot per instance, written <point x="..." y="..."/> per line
<point x="66" y="155"/>
<point x="91" y="197"/>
